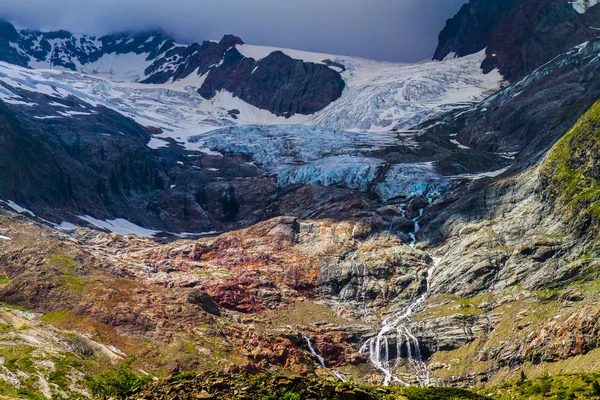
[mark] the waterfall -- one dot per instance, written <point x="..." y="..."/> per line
<point x="395" y="341"/>
<point x="321" y="360"/>
<point x="396" y="331"/>
<point x="413" y="235"/>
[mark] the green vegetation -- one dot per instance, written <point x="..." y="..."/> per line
<point x="15" y="307"/>
<point x="65" y="263"/>
<point x="263" y="387"/>
<point x="116" y="383"/>
<point x="557" y="387"/>
<point x="571" y="168"/>
<point x="18" y="358"/>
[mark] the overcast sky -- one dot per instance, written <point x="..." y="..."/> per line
<point x="394" y="30"/>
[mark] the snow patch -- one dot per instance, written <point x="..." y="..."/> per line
<point x="155" y="143"/>
<point x="18" y="102"/>
<point x="128" y="67"/>
<point x="119" y="226"/>
<point x="491" y="174"/>
<point x="17" y="208"/>
<point x="460" y="146"/>
<point x="67" y="226"/>
<point x="581" y="6"/>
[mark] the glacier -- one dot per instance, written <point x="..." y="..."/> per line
<point x="379" y="96"/>
<point x="301" y="155"/>
<point x="381" y="103"/>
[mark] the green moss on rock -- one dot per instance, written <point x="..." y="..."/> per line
<point x="571" y="171"/>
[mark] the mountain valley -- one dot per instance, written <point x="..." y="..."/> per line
<point x="205" y="212"/>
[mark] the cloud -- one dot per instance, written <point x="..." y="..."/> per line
<point x="394" y="30"/>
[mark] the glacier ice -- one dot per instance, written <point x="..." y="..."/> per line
<point x="298" y="154"/>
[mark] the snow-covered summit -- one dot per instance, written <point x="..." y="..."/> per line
<point x="176" y="87"/>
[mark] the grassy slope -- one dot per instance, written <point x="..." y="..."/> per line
<point x="571" y="171"/>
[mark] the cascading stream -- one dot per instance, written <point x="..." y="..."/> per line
<point x="395" y="341"/>
<point x="321" y="360"/>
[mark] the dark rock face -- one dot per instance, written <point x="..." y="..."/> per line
<point x="202" y="299"/>
<point x="277" y="83"/>
<point x="470" y="30"/>
<point x="531" y="115"/>
<point x="520" y="35"/>
<point x="98" y="164"/>
<point x="180" y="62"/>
<point x="231" y="75"/>
<point x="287" y="86"/>
<point x="8" y="35"/>
<point x="69" y="165"/>
<point x="70" y="50"/>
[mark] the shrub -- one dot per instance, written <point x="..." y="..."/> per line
<point x="116" y="383"/>
<point x="595" y="388"/>
<point x="184" y="376"/>
<point x="522" y="378"/>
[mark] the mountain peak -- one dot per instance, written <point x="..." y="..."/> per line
<point x="518" y="35"/>
<point x="8" y="31"/>
<point x="230" y="41"/>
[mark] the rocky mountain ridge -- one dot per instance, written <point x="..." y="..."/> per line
<point x="136" y="157"/>
<point x="518" y="36"/>
<point x="157" y="58"/>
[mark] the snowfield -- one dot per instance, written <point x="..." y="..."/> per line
<point x="379" y="96"/>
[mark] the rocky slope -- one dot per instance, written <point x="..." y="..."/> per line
<point x="518" y="35"/>
<point x="523" y="250"/>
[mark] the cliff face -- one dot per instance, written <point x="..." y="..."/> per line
<point x="277" y="83"/>
<point x="519" y="263"/>
<point x="519" y="35"/>
<point x="471" y="29"/>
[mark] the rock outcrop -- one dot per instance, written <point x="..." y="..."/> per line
<point x="277" y="83"/>
<point x="518" y="35"/>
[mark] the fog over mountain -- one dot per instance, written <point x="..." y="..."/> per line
<point x="394" y="30"/>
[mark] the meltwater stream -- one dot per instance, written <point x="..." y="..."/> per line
<point x="322" y="360"/>
<point x="395" y="342"/>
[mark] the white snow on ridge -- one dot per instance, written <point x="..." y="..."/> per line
<point x="120" y="226"/>
<point x="260" y="52"/>
<point x="491" y="174"/>
<point x="379" y="96"/>
<point x="459" y="145"/>
<point x="15" y="207"/>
